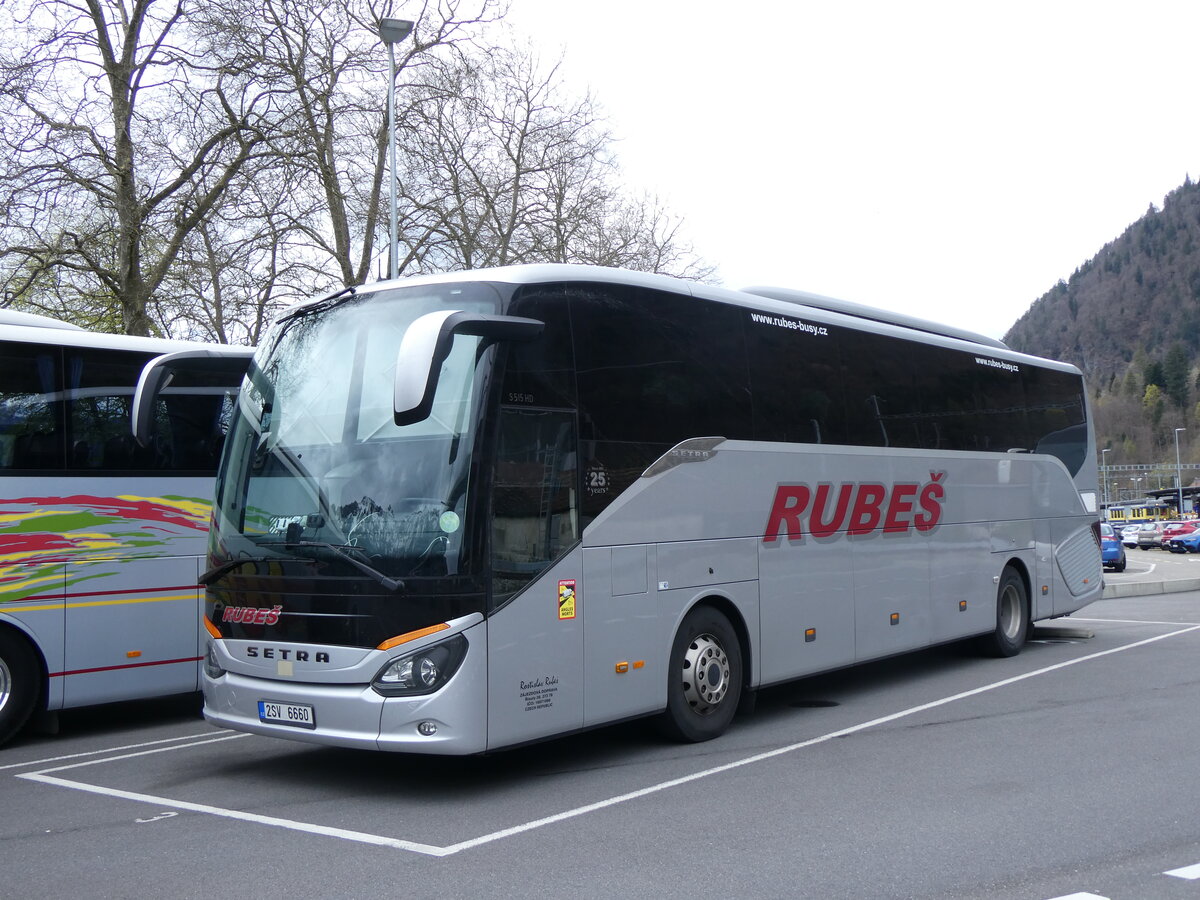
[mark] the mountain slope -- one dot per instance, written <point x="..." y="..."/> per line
<point x="1142" y="291"/>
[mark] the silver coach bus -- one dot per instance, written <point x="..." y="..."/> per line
<point x="463" y="512"/>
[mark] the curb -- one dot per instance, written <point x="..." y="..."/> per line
<point x="1150" y="588"/>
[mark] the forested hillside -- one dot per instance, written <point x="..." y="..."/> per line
<point x="1130" y="319"/>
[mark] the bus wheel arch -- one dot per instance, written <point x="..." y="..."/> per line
<point x="22" y="679"/>
<point x="706" y="672"/>
<point x="1014" y="606"/>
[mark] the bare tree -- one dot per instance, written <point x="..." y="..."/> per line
<point x="119" y="137"/>
<point x="195" y="168"/>
<point x="328" y="59"/>
<point x="502" y="165"/>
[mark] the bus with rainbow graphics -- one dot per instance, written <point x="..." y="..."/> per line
<point x="102" y="540"/>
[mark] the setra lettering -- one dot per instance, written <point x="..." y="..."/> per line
<point x="319" y="656"/>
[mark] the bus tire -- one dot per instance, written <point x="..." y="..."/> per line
<point x="19" y="683"/>
<point x="1012" y="617"/>
<point x="704" y="680"/>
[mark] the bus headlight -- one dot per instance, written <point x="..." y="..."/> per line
<point x="422" y="672"/>
<point x="211" y="667"/>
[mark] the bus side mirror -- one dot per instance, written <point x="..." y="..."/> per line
<point x="426" y="344"/>
<point x="222" y="363"/>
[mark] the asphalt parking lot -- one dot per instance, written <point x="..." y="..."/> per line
<point x="1068" y="770"/>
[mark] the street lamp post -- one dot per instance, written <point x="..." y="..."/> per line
<point x="391" y="32"/>
<point x="1178" y="470"/>
<point x="1104" y="475"/>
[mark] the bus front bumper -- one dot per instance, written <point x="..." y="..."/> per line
<point x="452" y="721"/>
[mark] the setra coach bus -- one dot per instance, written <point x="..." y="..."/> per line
<point x="463" y="512"/>
<point x="101" y="540"/>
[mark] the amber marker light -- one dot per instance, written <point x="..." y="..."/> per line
<point x="962" y="605"/>
<point x="133" y="654"/>
<point x="411" y="636"/>
<point x="622" y="668"/>
<point x="210" y="627"/>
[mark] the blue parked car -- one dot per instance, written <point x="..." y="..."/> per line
<point x="1185" y="543"/>
<point x="1112" y="551"/>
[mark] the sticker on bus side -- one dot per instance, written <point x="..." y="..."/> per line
<point x="566" y="599"/>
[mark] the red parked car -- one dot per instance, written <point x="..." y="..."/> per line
<point x="1178" y="529"/>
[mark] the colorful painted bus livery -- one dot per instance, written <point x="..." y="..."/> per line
<point x="101" y="540"/>
<point x="492" y="507"/>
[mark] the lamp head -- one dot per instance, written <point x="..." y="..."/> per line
<point x="392" y="31"/>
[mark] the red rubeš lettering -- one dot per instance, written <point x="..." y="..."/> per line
<point x="856" y="508"/>
<point x="250" y="615"/>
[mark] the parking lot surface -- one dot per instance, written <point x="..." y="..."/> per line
<point x="1068" y="770"/>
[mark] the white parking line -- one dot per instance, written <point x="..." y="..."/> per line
<point x="291" y="825"/>
<point x="1080" y="896"/>
<point x="1133" y="622"/>
<point x="430" y="850"/>
<point x="1191" y="873"/>
<point x="53" y="759"/>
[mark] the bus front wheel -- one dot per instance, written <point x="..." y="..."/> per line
<point x="1012" y="617"/>
<point x="18" y="683"/>
<point x="704" y="677"/>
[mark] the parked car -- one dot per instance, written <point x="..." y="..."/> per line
<point x="1187" y="543"/>
<point x="1178" y="529"/>
<point x="1129" y="535"/>
<point x="1149" y="535"/>
<point x="1112" y="552"/>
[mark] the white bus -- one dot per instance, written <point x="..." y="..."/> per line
<point x="101" y="540"/>
<point x="463" y="512"/>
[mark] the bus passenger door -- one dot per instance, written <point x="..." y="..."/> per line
<point x="535" y="639"/>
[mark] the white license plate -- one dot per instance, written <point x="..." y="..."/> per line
<point x="286" y="714"/>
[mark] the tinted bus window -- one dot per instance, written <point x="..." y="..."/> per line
<point x="1057" y="420"/>
<point x="654" y="369"/>
<point x="796" y="377"/>
<point x="659" y="368"/>
<point x="882" y="384"/>
<point x="969" y="405"/>
<point x="542" y="372"/>
<point x="31" y="430"/>
<point x="190" y="420"/>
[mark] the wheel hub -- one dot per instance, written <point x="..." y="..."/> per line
<point x="5" y="684"/>
<point x="1011" y="619"/>
<point x="705" y="674"/>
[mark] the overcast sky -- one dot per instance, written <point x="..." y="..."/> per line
<point x="951" y="160"/>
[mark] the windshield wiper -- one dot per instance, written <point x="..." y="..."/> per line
<point x="390" y="583"/>
<point x="341" y="552"/>
<point x="321" y="304"/>
<point x="217" y="571"/>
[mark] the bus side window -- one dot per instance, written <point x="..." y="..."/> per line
<point x="31" y="433"/>
<point x="796" y="379"/>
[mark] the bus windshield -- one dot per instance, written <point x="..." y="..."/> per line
<point x="318" y="469"/>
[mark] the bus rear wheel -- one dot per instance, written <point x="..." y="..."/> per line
<point x="1012" y="617"/>
<point x="704" y="677"/>
<point x="18" y="683"/>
